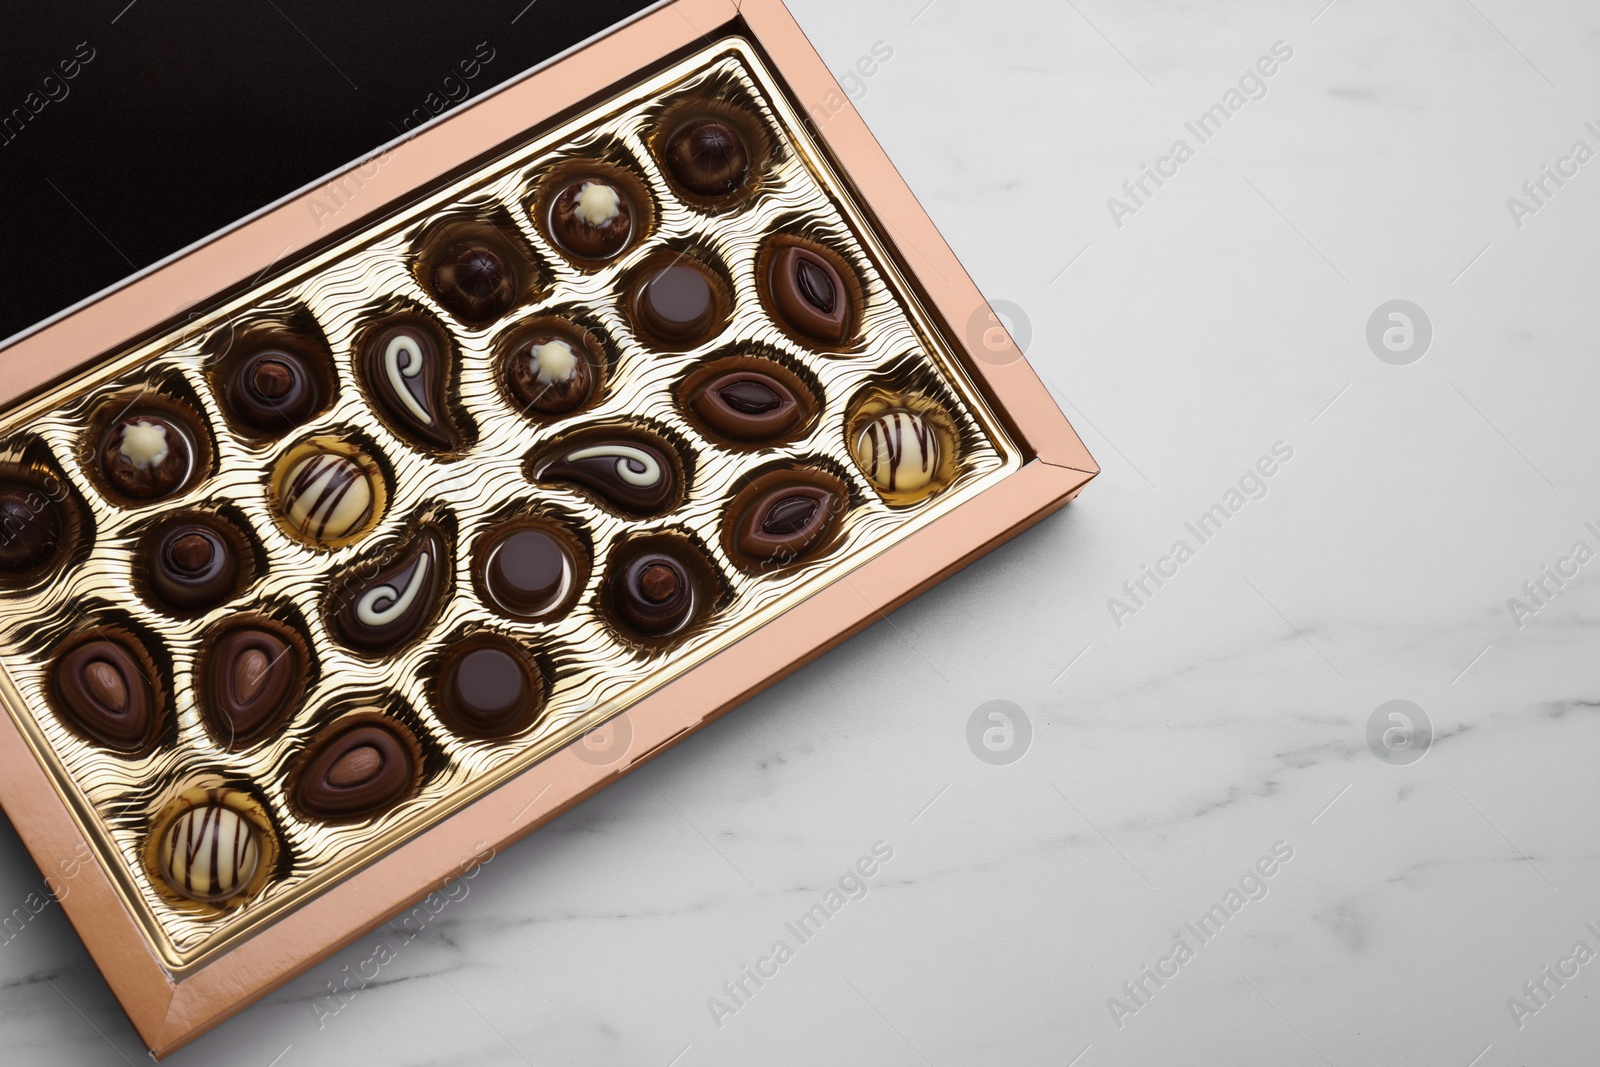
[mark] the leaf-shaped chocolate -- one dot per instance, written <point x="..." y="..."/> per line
<point x="356" y="773"/>
<point x="809" y="294"/>
<point x="787" y="520"/>
<point x="747" y="405"/>
<point x="253" y="677"/>
<point x="105" y="691"/>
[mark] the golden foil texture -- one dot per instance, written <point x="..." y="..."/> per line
<point x="595" y="673"/>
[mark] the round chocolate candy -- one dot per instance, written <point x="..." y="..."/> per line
<point x="899" y="451"/>
<point x="787" y="521"/>
<point x="382" y="612"/>
<point x="357" y="772"/>
<point x="747" y="405"/>
<point x="530" y="572"/>
<point x="475" y="281"/>
<point x="103" y="688"/>
<point x="654" y="594"/>
<point x="30" y="528"/>
<point x="273" y="390"/>
<point x="210" y="852"/>
<point x="551" y="375"/>
<point x="810" y="295"/>
<point x="253" y="677"/>
<point x="327" y="496"/>
<point x="707" y="157"/>
<point x="405" y="369"/>
<point x="193" y="567"/>
<point x="630" y="474"/>
<point x="591" y="218"/>
<point x="675" y="303"/>
<point x="488" y="690"/>
<point x="146" y="456"/>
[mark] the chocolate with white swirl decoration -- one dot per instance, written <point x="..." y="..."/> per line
<point x="630" y="474"/>
<point x="382" y="612"/>
<point x="210" y="852"/>
<point x="327" y="496"/>
<point x="405" y="370"/>
<point x="899" y="451"/>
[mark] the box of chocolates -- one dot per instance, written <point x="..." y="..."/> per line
<point x="330" y="559"/>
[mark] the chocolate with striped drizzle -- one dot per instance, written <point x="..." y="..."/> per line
<point x="210" y="852"/>
<point x="899" y="450"/>
<point x="327" y="496"/>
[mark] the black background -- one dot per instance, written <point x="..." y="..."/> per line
<point x="193" y="114"/>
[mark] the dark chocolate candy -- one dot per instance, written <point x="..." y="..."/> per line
<point x="675" y="303"/>
<point x="810" y="295"/>
<point x="405" y="370"/>
<point x="384" y="611"/>
<point x="273" y="390"/>
<point x="551" y="375"/>
<point x="592" y="218"/>
<point x="654" y="594"/>
<point x="146" y="456"/>
<point x="786" y="522"/>
<point x="487" y="689"/>
<point x="102" y="685"/>
<point x="30" y="528"/>
<point x="630" y="474"/>
<point x="193" y="567"/>
<point x="253" y="676"/>
<point x="474" y="281"/>
<point x="357" y="772"/>
<point x="708" y="157"/>
<point x="747" y="406"/>
<point x="529" y="572"/>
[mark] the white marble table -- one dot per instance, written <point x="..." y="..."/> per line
<point x="1175" y="742"/>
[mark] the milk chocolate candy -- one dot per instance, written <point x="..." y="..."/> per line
<point x="787" y="521"/>
<point x="487" y="688"/>
<point x="654" y="594"/>
<point x="592" y="218"/>
<point x="675" y="303"/>
<point x="382" y="612"/>
<point x="748" y="405"/>
<point x="405" y="369"/>
<point x="103" y="688"/>
<point x="146" y="455"/>
<point x="550" y="374"/>
<point x="357" y="772"/>
<point x="253" y="679"/>
<point x="708" y="157"/>
<point x="810" y="295"/>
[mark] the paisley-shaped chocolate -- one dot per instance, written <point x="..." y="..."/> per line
<point x="810" y="295"/>
<point x="210" y="852"/>
<point x="631" y="474"/>
<point x="357" y="772"/>
<point x="488" y="689"/>
<point x="747" y="405"/>
<point x="253" y="677"/>
<point x="273" y="390"/>
<point x="654" y="594"/>
<point x="475" y="281"/>
<point x="786" y="521"/>
<point x="103" y="688"/>
<point x="192" y="566"/>
<point x="405" y="370"/>
<point x="382" y="612"/>
<point x="899" y="450"/>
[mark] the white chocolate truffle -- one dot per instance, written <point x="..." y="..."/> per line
<point x="327" y="496"/>
<point x="899" y="450"/>
<point x="210" y="853"/>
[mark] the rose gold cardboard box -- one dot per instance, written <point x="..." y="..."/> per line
<point x="171" y="1006"/>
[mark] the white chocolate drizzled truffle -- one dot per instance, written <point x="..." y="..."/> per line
<point x="899" y="450"/>
<point x="327" y="496"/>
<point x="210" y="853"/>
